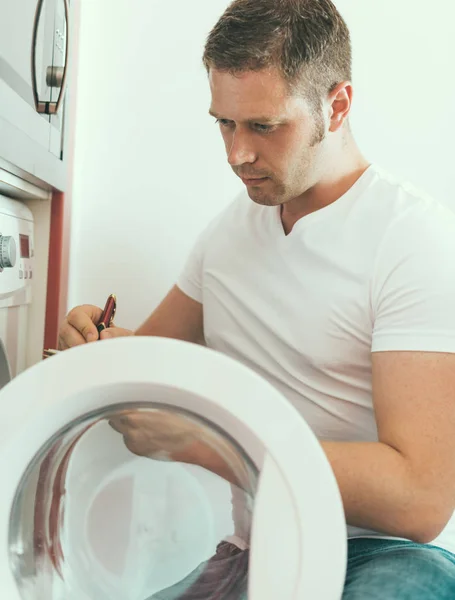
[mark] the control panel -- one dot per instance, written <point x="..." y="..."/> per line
<point x="16" y="247"/>
<point x="7" y="251"/>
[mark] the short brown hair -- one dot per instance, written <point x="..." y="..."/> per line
<point x="307" y="40"/>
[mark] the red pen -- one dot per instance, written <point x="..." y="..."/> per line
<point x="108" y="313"/>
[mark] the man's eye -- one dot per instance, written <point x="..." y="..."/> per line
<point x="259" y="127"/>
<point x="263" y="128"/>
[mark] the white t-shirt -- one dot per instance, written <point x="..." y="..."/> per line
<point x="373" y="271"/>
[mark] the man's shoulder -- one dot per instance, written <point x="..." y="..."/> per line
<point x="418" y="233"/>
<point x="401" y="191"/>
<point x="410" y="210"/>
<point x="229" y="217"/>
<point x="234" y="212"/>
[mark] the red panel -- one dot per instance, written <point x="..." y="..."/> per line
<point x="55" y="282"/>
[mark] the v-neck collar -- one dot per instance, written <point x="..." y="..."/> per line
<point x="354" y="191"/>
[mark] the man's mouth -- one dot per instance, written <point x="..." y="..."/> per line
<point x="253" y="181"/>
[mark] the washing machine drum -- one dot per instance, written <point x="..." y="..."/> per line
<point x="147" y="468"/>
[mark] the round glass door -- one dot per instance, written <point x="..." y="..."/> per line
<point x="134" y="502"/>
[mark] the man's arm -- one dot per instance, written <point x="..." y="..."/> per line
<point x="403" y="485"/>
<point x="178" y="316"/>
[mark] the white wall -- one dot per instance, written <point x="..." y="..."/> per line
<point x="150" y="166"/>
<point x="404" y="88"/>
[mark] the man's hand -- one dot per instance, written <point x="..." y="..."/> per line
<point x="178" y="317"/>
<point x="79" y="327"/>
<point x="157" y="434"/>
<point x="164" y="435"/>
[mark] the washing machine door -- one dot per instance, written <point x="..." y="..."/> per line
<point x="153" y="469"/>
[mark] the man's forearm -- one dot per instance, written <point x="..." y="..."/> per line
<point x="378" y="488"/>
<point x="380" y="491"/>
<point x="226" y="463"/>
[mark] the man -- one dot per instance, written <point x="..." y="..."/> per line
<point x="334" y="282"/>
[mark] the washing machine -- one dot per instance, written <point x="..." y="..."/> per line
<point x="154" y="469"/>
<point x="16" y="278"/>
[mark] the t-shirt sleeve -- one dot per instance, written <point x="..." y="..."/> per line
<point x="191" y="278"/>
<point x="413" y="286"/>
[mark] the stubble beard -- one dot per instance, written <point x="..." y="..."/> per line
<point x="281" y="193"/>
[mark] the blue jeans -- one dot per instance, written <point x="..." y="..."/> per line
<point x="377" y="570"/>
<point x="398" y="570"/>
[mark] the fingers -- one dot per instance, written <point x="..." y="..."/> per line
<point x="124" y="422"/>
<point x="69" y="337"/>
<point x="114" y="332"/>
<point x="79" y="327"/>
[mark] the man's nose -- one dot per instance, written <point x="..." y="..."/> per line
<point x="241" y="150"/>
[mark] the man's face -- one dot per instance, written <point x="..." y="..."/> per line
<point x="274" y="140"/>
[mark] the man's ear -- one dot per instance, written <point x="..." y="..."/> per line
<point x="340" y="101"/>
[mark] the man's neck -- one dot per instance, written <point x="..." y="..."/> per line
<point x="345" y="169"/>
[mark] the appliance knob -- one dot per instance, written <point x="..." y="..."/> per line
<point x="7" y="252"/>
<point x="54" y="76"/>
